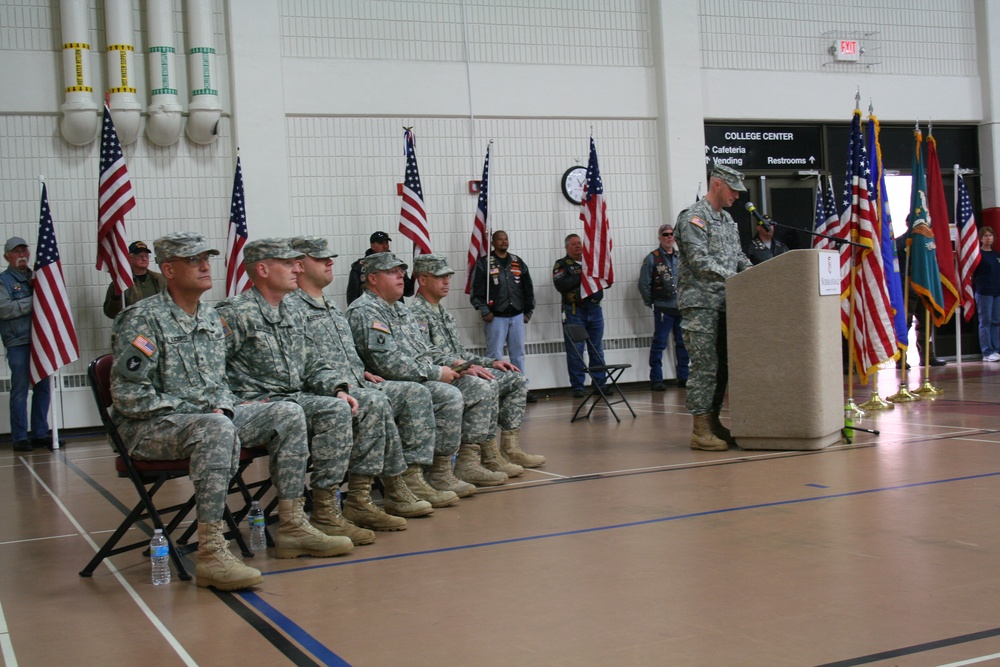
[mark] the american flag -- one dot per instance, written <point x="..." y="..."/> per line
<point x="412" y="218"/>
<point x="874" y="336"/>
<point x="827" y="217"/>
<point x="938" y="208"/>
<point x="968" y="247"/>
<point x="597" y="273"/>
<point x="478" y="244"/>
<point x="53" y="336"/>
<point x="114" y="200"/>
<point x="236" y="275"/>
<point x="819" y="226"/>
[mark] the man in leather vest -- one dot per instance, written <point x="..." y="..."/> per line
<point x="658" y="288"/>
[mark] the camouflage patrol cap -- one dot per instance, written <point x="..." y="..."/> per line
<point x="730" y="176"/>
<point x="381" y="261"/>
<point x="435" y="264"/>
<point x="272" y="248"/>
<point x="181" y="244"/>
<point x="314" y="246"/>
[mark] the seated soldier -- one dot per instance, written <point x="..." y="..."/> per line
<point x="509" y="389"/>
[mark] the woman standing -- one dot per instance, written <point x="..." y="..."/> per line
<point x="987" y="285"/>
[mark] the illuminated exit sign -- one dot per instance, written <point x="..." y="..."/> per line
<point x="847" y="49"/>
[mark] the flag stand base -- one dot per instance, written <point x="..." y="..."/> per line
<point x="904" y="395"/>
<point x="927" y="389"/>
<point x="875" y="403"/>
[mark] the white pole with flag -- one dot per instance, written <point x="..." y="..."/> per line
<point x="598" y="271"/>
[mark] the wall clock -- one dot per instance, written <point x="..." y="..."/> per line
<point x="572" y="184"/>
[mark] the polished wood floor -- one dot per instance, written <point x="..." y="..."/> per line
<point x="627" y="548"/>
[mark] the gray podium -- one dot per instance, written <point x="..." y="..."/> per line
<point x="786" y="382"/>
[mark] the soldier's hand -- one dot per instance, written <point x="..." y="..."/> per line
<point x="479" y="372"/>
<point x="371" y="377"/>
<point x="350" y="400"/>
<point x="448" y="376"/>
<point x="502" y="365"/>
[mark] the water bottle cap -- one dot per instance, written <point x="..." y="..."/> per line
<point x="157" y="531"/>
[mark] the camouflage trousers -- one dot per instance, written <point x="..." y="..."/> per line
<point x="333" y="440"/>
<point x="705" y="339"/>
<point x="448" y="406"/>
<point x="212" y="442"/>
<point x="479" y="417"/>
<point x="510" y="392"/>
<point x="373" y="425"/>
<point x="413" y="413"/>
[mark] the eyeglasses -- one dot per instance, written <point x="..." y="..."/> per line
<point x="667" y="234"/>
<point x="193" y="261"/>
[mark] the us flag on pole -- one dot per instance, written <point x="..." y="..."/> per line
<point x="412" y="218"/>
<point x="53" y="336"/>
<point x="597" y="273"/>
<point x="236" y="274"/>
<point x="478" y="245"/>
<point x="968" y="247"/>
<point x="114" y="200"/>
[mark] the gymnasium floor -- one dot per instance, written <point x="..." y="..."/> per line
<point x="627" y="548"/>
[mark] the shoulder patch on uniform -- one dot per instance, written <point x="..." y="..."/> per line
<point x="423" y="326"/>
<point x="144" y="345"/>
<point x="379" y="326"/>
<point x="225" y="327"/>
<point x="698" y="222"/>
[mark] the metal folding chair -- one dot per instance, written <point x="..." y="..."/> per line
<point x="575" y="334"/>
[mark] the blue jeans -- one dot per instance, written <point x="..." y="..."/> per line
<point x="665" y="323"/>
<point x="508" y="330"/>
<point x="989" y="323"/>
<point x="592" y="319"/>
<point x="19" y="358"/>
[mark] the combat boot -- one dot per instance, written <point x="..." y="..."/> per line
<point x="297" y="537"/>
<point x="215" y="566"/>
<point x="326" y="518"/>
<point x="703" y="438"/>
<point x="414" y="479"/>
<point x="400" y="501"/>
<point x="720" y="431"/>
<point x="468" y="468"/>
<point x="361" y="511"/>
<point x="442" y="478"/>
<point x="492" y="459"/>
<point x="510" y="444"/>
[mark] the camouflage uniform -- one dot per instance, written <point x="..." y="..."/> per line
<point x="509" y="389"/>
<point x="391" y="344"/>
<point x="329" y="334"/>
<point x="708" y="244"/>
<point x="169" y="376"/>
<point x="269" y="357"/>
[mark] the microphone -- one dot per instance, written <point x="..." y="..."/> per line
<point x="763" y="222"/>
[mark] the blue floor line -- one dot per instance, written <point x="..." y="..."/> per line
<point x="328" y="657"/>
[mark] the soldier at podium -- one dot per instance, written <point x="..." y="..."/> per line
<point x="709" y="245"/>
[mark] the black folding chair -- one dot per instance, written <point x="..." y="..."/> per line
<point x="575" y="334"/>
<point x="148" y="477"/>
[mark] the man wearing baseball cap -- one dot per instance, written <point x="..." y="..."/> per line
<point x="709" y="246"/>
<point x="268" y="357"/>
<point x="171" y="401"/>
<point x="145" y="283"/>
<point x="658" y="289"/>
<point x="379" y="242"/>
<point x="16" y="307"/>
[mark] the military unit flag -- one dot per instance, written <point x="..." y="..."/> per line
<point x="925" y="279"/>
<point x="938" y="208"/>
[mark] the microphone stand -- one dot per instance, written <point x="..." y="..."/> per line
<point x="838" y="242"/>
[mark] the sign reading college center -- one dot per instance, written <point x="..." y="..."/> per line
<point x="763" y="147"/>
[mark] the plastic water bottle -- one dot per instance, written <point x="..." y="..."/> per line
<point x="258" y="538"/>
<point x="159" y="556"/>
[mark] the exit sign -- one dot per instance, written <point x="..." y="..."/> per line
<point x="847" y="49"/>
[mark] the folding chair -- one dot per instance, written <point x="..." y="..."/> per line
<point x="148" y="477"/>
<point x="575" y="334"/>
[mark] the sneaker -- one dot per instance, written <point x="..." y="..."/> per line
<point x="993" y="357"/>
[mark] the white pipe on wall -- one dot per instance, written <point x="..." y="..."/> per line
<point x="79" y="122"/>
<point x="123" y="99"/>
<point x="163" y="127"/>
<point x="204" y="109"/>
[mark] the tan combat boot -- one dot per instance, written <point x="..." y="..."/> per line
<point x="215" y="566"/>
<point x="702" y="437"/>
<point x="361" y="511"/>
<point x="297" y="537"/>
<point x="468" y="468"/>
<point x="720" y="431"/>
<point x="326" y="518"/>
<point x="493" y="459"/>
<point x="414" y="479"/>
<point x="510" y="444"/>
<point x="442" y="478"/>
<point x="400" y="501"/>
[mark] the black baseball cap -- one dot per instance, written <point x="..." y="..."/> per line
<point x="137" y="246"/>
<point x="379" y="237"/>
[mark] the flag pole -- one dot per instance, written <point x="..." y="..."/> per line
<point x="958" y="270"/>
<point x="488" y="224"/>
<point x="55" y="378"/>
<point x="851" y="406"/>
